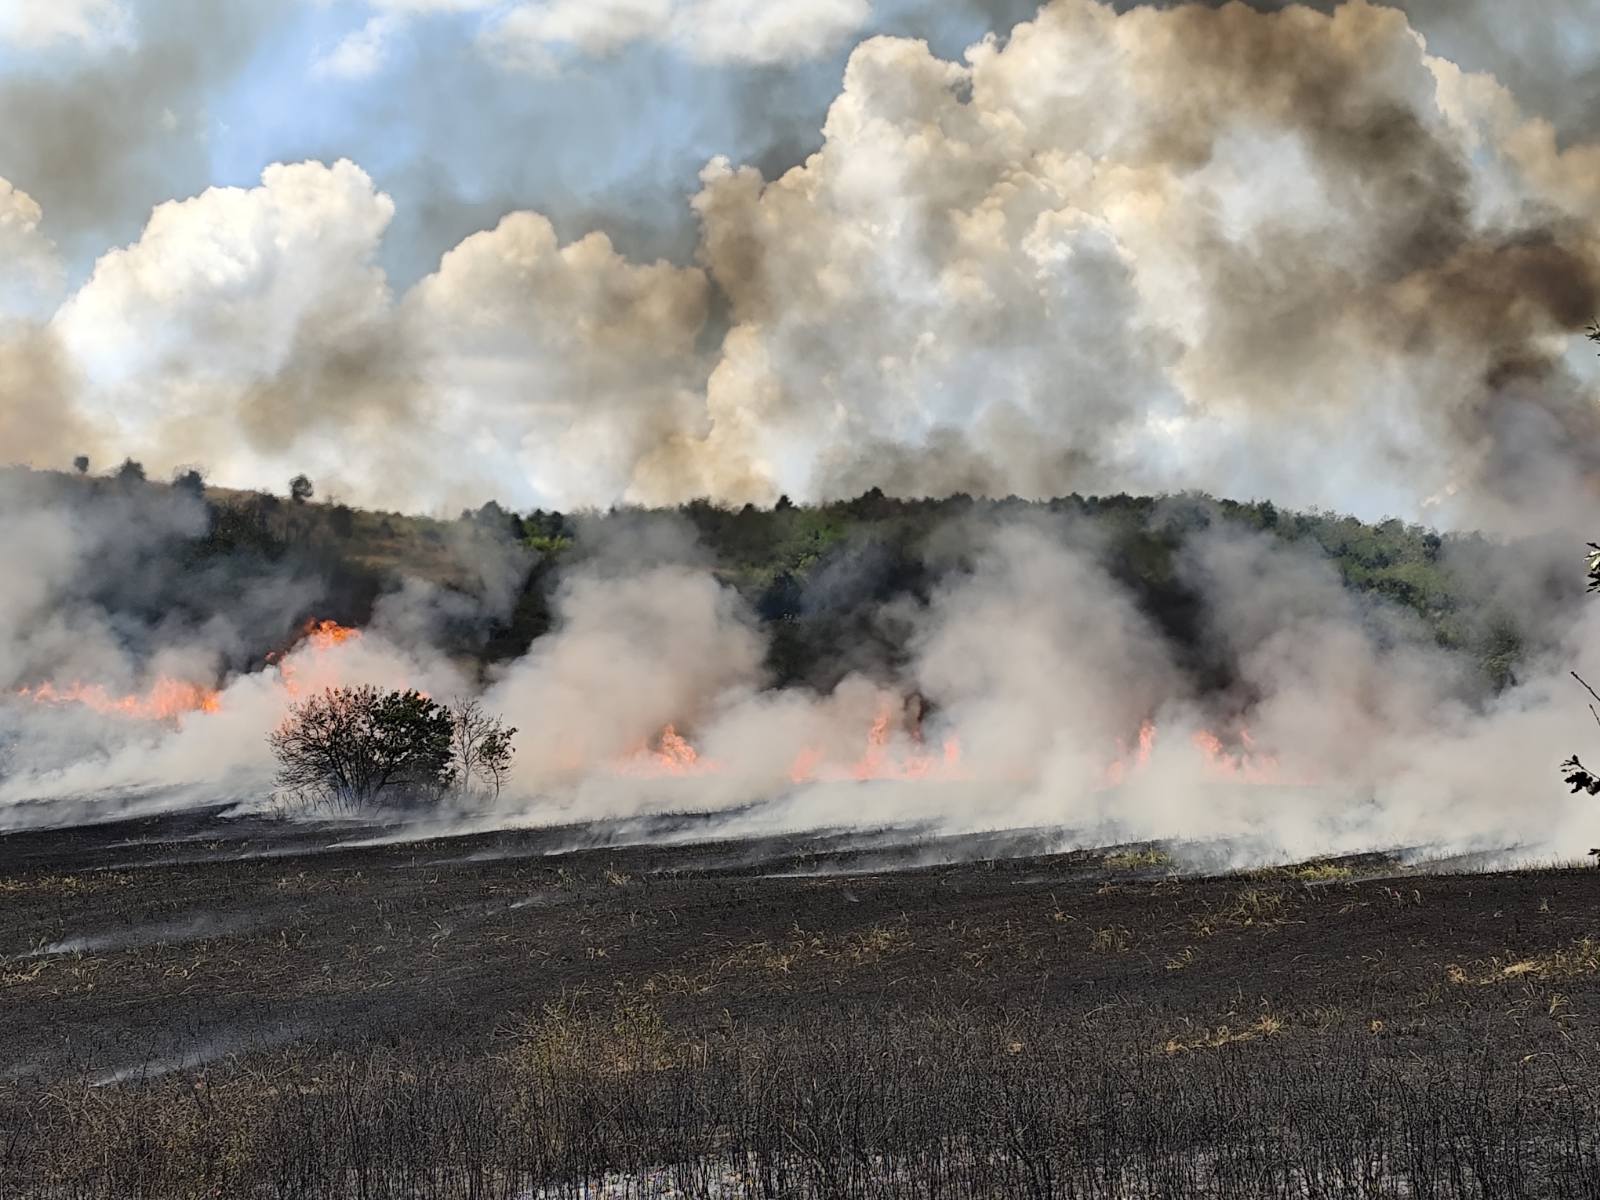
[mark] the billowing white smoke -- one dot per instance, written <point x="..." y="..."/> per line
<point x="1345" y="729"/>
<point x="105" y="664"/>
<point x="629" y="656"/>
<point x="110" y="763"/>
<point x="1043" y="664"/>
<point x="1289" y="254"/>
<point x="1166" y="249"/>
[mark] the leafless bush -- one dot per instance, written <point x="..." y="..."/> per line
<point x="480" y="747"/>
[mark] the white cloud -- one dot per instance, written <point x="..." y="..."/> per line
<point x="1103" y="255"/>
<point x="236" y="271"/>
<point x="1098" y="257"/>
<point x="251" y="330"/>
<point x="94" y="24"/>
<point x="38" y="421"/>
<point x="245" y="325"/>
<point x="544" y="33"/>
<point x="362" y="53"/>
<point x="533" y="34"/>
<point x="570" y="361"/>
<point x="764" y="32"/>
<point x="31" y="275"/>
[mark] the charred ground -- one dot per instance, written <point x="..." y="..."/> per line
<point x="652" y="968"/>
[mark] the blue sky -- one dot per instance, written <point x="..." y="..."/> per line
<point x="612" y="141"/>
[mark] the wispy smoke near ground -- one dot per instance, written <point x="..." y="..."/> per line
<point x="1293" y="718"/>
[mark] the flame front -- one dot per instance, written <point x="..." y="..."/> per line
<point x="169" y="699"/>
<point x="881" y="757"/>
<point x="166" y="700"/>
<point x="1244" y="763"/>
<point x="320" y="637"/>
<point x="675" y="755"/>
<point x="892" y="749"/>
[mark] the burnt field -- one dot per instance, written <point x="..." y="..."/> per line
<point x="204" y="1007"/>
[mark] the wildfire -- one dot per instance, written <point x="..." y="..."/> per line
<point x="1242" y="764"/>
<point x="169" y="699"/>
<point x="166" y="700"/>
<point x="321" y="636"/>
<point x="673" y="754"/>
<point x="893" y="747"/>
<point x="1118" y="771"/>
<point x="325" y="634"/>
<point x="1245" y="764"/>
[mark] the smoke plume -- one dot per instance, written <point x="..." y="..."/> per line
<point x="1285" y="252"/>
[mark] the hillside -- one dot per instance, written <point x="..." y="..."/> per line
<point x="822" y="581"/>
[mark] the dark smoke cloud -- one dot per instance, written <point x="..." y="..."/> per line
<point x="101" y="138"/>
<point x="1551" y="62"/>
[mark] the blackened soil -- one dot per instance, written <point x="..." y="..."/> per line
<point x="187" y="937"/>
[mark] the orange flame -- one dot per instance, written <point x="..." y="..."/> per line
<point x="675" y="754"/>
<point x="321" y="636"/>
<point x="324" y="634"/>
<point x="169" y="699"/>
<point x="1246" y="764"/>
<point x="1118" y="771"/>
<point x="166" y="700"/>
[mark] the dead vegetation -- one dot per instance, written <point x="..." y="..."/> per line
<point x="587" y="1094"/>
<point x="482" y="1018"/>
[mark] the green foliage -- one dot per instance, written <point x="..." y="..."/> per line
<point x="349" y="746"/>
<point x="1576" y="776"/>
<point x="547" y="545"/>
<point x="826" y="579"/>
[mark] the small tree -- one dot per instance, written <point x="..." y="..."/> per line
<point x="131" y="471"/>
<point x="81" y="464"/>
<point x="349" y="746"/>
<point x="191" y="481"/>
<point x="480" y="746"/>
<point x="300" y="489"/>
